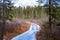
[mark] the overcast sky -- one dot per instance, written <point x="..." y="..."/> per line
<point x="24" y="3"/>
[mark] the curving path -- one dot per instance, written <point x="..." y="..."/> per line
<point x="30" y="34"/>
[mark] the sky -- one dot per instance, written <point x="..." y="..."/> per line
<point x="24" y="3"/>
<point x="32" y="3"/>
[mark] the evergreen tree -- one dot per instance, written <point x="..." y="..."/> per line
<point x="5" y="6"/>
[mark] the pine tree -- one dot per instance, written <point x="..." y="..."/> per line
<point x="5" y="6"/>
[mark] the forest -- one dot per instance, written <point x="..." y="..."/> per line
<point x="12" y="15"/>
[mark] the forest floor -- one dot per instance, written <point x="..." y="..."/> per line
<point x="18" y="26"/>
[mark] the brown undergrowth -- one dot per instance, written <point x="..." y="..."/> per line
<point x="15" y="28"/>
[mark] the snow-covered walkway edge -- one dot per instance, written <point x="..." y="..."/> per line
<point x="30" y="34"/>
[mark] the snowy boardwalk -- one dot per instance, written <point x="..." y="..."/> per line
<point x="30" y="34"/>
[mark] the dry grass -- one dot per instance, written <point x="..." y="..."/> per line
<point x="14" y="28"/>
<point x="17" y="27"/>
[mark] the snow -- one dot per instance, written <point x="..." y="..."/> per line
<point x="30" y="34"/>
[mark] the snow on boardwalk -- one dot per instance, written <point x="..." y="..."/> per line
<point x="30" y="34"/>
